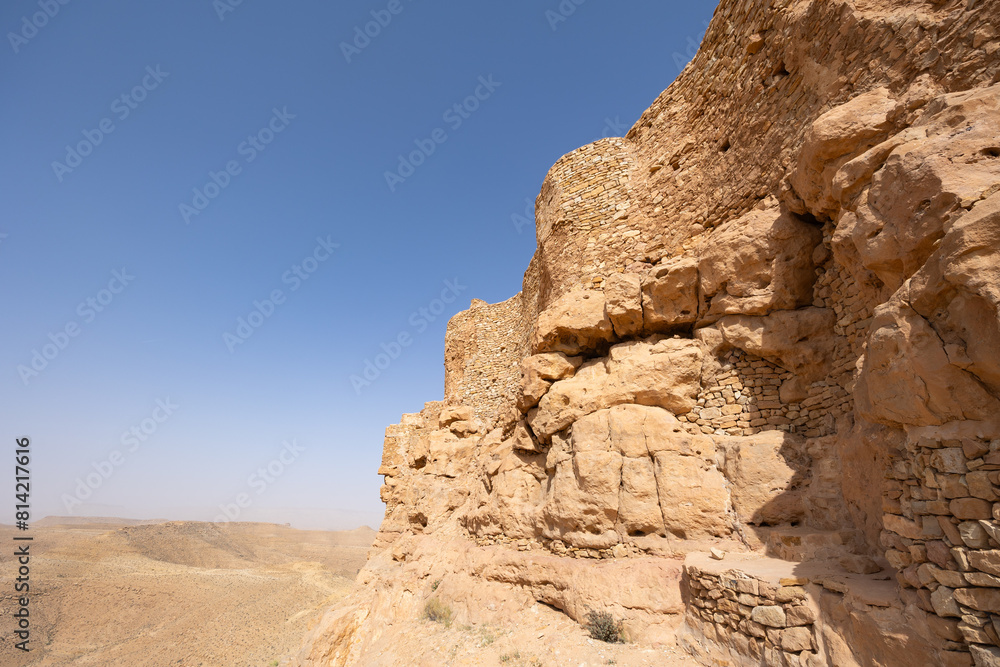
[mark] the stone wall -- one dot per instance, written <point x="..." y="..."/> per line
<point x="941" y="534"/>
<point x="484" y="347"/>
<point x="768" y="623"/>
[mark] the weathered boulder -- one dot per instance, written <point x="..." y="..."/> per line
<point x="915" y="197"/>
<point x="662" y="372"/>
<point x="624" y="303"/>
<point x="670" y="296"/>
<point x="757" y="263"/>
<point x="767" y="473"/>
<point x="907" y="377"/>
<point x="801" y="341"/>
<point x="838" y="135"/>
<point x="575" y="323"/>
<point x="538" y="372"/>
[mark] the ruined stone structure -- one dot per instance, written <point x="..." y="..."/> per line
<point x="747" y="399"/>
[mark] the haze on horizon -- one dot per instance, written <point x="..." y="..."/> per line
<point x="217" y="220"/>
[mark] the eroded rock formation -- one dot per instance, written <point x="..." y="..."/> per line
<point x="764" y="323"/>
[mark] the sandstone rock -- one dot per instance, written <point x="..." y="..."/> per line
<point x="982" y="599"/>
<point x="800" y="615"/>
<point x="576" y="323"/>
<point x="800" y="341"/>
<point x="971" y="508"/>
<point x="693" y="496"/>
<point x="448" y="455"/>
<point x="907" y="377"/>
<point x="943" y="600"/>
<point x="797" y="639"/>
<point x="454" y="413"/>
<point x="522" y="439"/>
<point x="766" y="473"/>
<point x="623" y="296"/>
<point x="972" y="535"/>
<point x="986" y="561"/>
<point x="772" y="616"/>
<point x="670" y="298"/>
<point x="638" y="505"/>
<point x="758" y="263"/>
<point x="663" y="373"/>
<point x="985" y="656"/>
<point x="918" y="192"/>
<point x="838" y="135"/>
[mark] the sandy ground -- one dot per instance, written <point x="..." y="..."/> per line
<point x="182" y="594"/>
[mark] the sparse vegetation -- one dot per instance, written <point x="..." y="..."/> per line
<point x="604" y="627"/>
<point x="507" y="657"/>
<point x="273" y="663"/>
<point x="437" y="611"/>
<point x="435" y="585"/>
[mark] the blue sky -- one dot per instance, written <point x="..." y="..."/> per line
<point x="170" y="169"/>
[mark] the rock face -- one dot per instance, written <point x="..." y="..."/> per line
<point x="765" y="326"/>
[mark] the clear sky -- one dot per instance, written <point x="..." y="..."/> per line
<point x="170" y="169"/>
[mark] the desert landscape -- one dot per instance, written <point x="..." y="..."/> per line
<point x="122" y="593"/>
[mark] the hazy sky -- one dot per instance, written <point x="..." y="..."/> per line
<point x="207" y="227"/>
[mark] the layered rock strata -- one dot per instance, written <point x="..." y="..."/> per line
<point x="764" y="325"/>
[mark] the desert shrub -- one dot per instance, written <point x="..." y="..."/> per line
<point x="434" y="586"/>
<point x="437" y="611"/>
<point x="604" y="627"/>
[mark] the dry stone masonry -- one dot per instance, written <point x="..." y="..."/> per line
<point x="748" y="399"/>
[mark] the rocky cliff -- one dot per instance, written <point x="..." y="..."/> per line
<point x="747" y="399"/>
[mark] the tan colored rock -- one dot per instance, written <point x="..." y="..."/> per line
<point x="986" y="561"/>
<point x="797" y="639"/>
<point x="758" y="263"/>
<point x="918" y="193"/>
<point x="767" y="473"/>
<point x="582" y="501"/>
<point x="638" y="503"/>
<point x="454" y="413"/>
<point x="664" y="373"/>
<point x="958" y="293"/>
<point x="624" y="303"/>
<point x="538" y="372"/>
<point x="522" y="439"/>
<point x="800" y="341"/>
<point x="770" y="615"/>
<point x="838" y="135"/>
<point x="575" y="323"/>
<point x="670" y="296"/>
<point x="981" y="599"/>
<point x="448" y="455"/>
<point x="693" y="496"/>
<point x="907" y="377"/>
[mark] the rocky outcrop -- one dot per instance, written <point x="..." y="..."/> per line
<point x="747" y="397"/>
